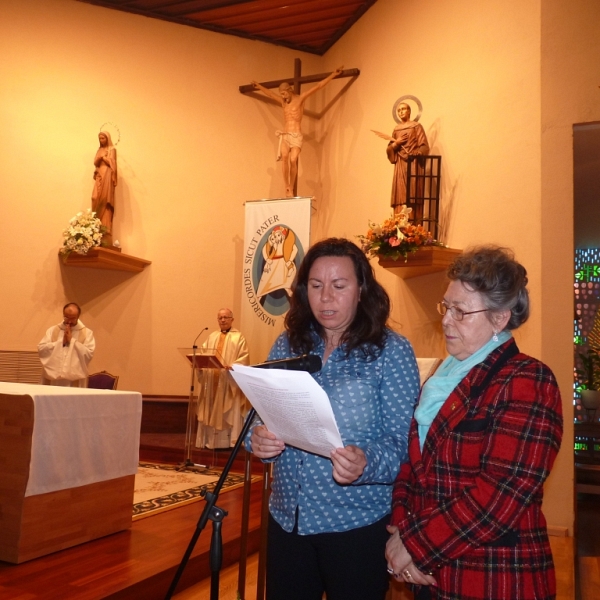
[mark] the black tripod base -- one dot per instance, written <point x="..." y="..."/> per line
<point x="215" y="514"/>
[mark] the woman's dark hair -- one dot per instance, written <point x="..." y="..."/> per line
<point x="498" y="277"/>
<point x="367" y="331"/>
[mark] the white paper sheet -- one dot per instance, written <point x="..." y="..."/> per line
<point x="292" y="405"/>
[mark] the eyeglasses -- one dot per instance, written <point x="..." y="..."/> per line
<point x="224" y="318"/>
<point x="456" y="313"/>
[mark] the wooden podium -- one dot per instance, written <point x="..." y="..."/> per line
<point x="203" y="358"/>
<point x="35" y="524"/>
<point x="198" y="358"/>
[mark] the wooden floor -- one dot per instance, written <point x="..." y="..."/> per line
<point x="136" y="564"/>
<point x="140" y="563"/>
<point x="562" y="549"/>
<point x="587" y="566"/>
<point x="228" y="584"/>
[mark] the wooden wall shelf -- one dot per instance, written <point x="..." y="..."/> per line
<point x="427" y="260"/>
<point x="104" y="258"/>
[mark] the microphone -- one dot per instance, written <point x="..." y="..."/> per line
<point x="307" y="362"/>
<point x="194" y="344"/>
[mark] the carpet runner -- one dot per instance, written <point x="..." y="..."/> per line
<point x="164" y="487"/>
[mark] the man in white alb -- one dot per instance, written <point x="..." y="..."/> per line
<point x="66" y="350"/>
<point x="222" y="407"/>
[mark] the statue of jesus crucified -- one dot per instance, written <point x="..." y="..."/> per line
<point x="290" y="139"/>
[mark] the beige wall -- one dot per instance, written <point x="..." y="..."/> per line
<point x="488" y="75"/>
<point x="475" y="66"/>
<point x="493" y="77"/>
<point x="193" y="149"/>
<point x="569" y="94"/>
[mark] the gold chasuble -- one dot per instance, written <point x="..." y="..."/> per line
<point x="221" y="405"/>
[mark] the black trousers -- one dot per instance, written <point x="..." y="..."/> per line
<point x="349" y="565"/>
<point x="422" y="592"/>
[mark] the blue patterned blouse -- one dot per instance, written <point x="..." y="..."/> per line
<point x="373" y="403"/>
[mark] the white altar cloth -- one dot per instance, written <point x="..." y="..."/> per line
<point x="80" y="436"/>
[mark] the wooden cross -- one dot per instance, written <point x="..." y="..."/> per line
<point x="290" y="159"/>
<point x="296" y="81"/>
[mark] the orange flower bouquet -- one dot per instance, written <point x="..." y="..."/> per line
<point x="395" y="237"/>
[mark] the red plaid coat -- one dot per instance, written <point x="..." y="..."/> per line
<point x="469" y="508"/>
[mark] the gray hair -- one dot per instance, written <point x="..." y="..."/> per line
<point x="498" y="277"/>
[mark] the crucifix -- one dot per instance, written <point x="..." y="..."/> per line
<point x="291" y="99"/>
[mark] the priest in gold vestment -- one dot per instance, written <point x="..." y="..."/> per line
<point x="222" y="406"/>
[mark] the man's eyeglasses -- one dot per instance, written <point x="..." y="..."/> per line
<point x="456" y="313"/>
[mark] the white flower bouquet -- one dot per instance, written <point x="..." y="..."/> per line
<point x="85" y="231"/>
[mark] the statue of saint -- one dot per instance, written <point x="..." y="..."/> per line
<point x="408" y="139"/>
<point x="290" y="139"/>
<point x="105" y="181"/>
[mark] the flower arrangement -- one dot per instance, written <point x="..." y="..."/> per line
<point x="85" y="231"/>
<point x="395" y="237"/>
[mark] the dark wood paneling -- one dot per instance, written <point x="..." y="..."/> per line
<point x="164" y="414"/>
<point x="307" y="25"/>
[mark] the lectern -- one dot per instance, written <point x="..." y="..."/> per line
<point x="206" y="398"/>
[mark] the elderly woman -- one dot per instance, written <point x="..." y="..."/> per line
<point x="328" y="515"/>
<point x="467" y="518"/>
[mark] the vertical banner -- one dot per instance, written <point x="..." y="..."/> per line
<point x="277" y="235"/>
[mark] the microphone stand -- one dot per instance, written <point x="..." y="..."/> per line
<point x="189" y="427"/>
<point x="211" y="511"/>
<point x="215" y="514"/>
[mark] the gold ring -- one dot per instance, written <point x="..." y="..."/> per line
<point x="406" y="573"/>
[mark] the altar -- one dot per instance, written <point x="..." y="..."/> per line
<point x="68" y="458"/>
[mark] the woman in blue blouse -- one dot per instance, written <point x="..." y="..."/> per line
<point x="328" y="516"/>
